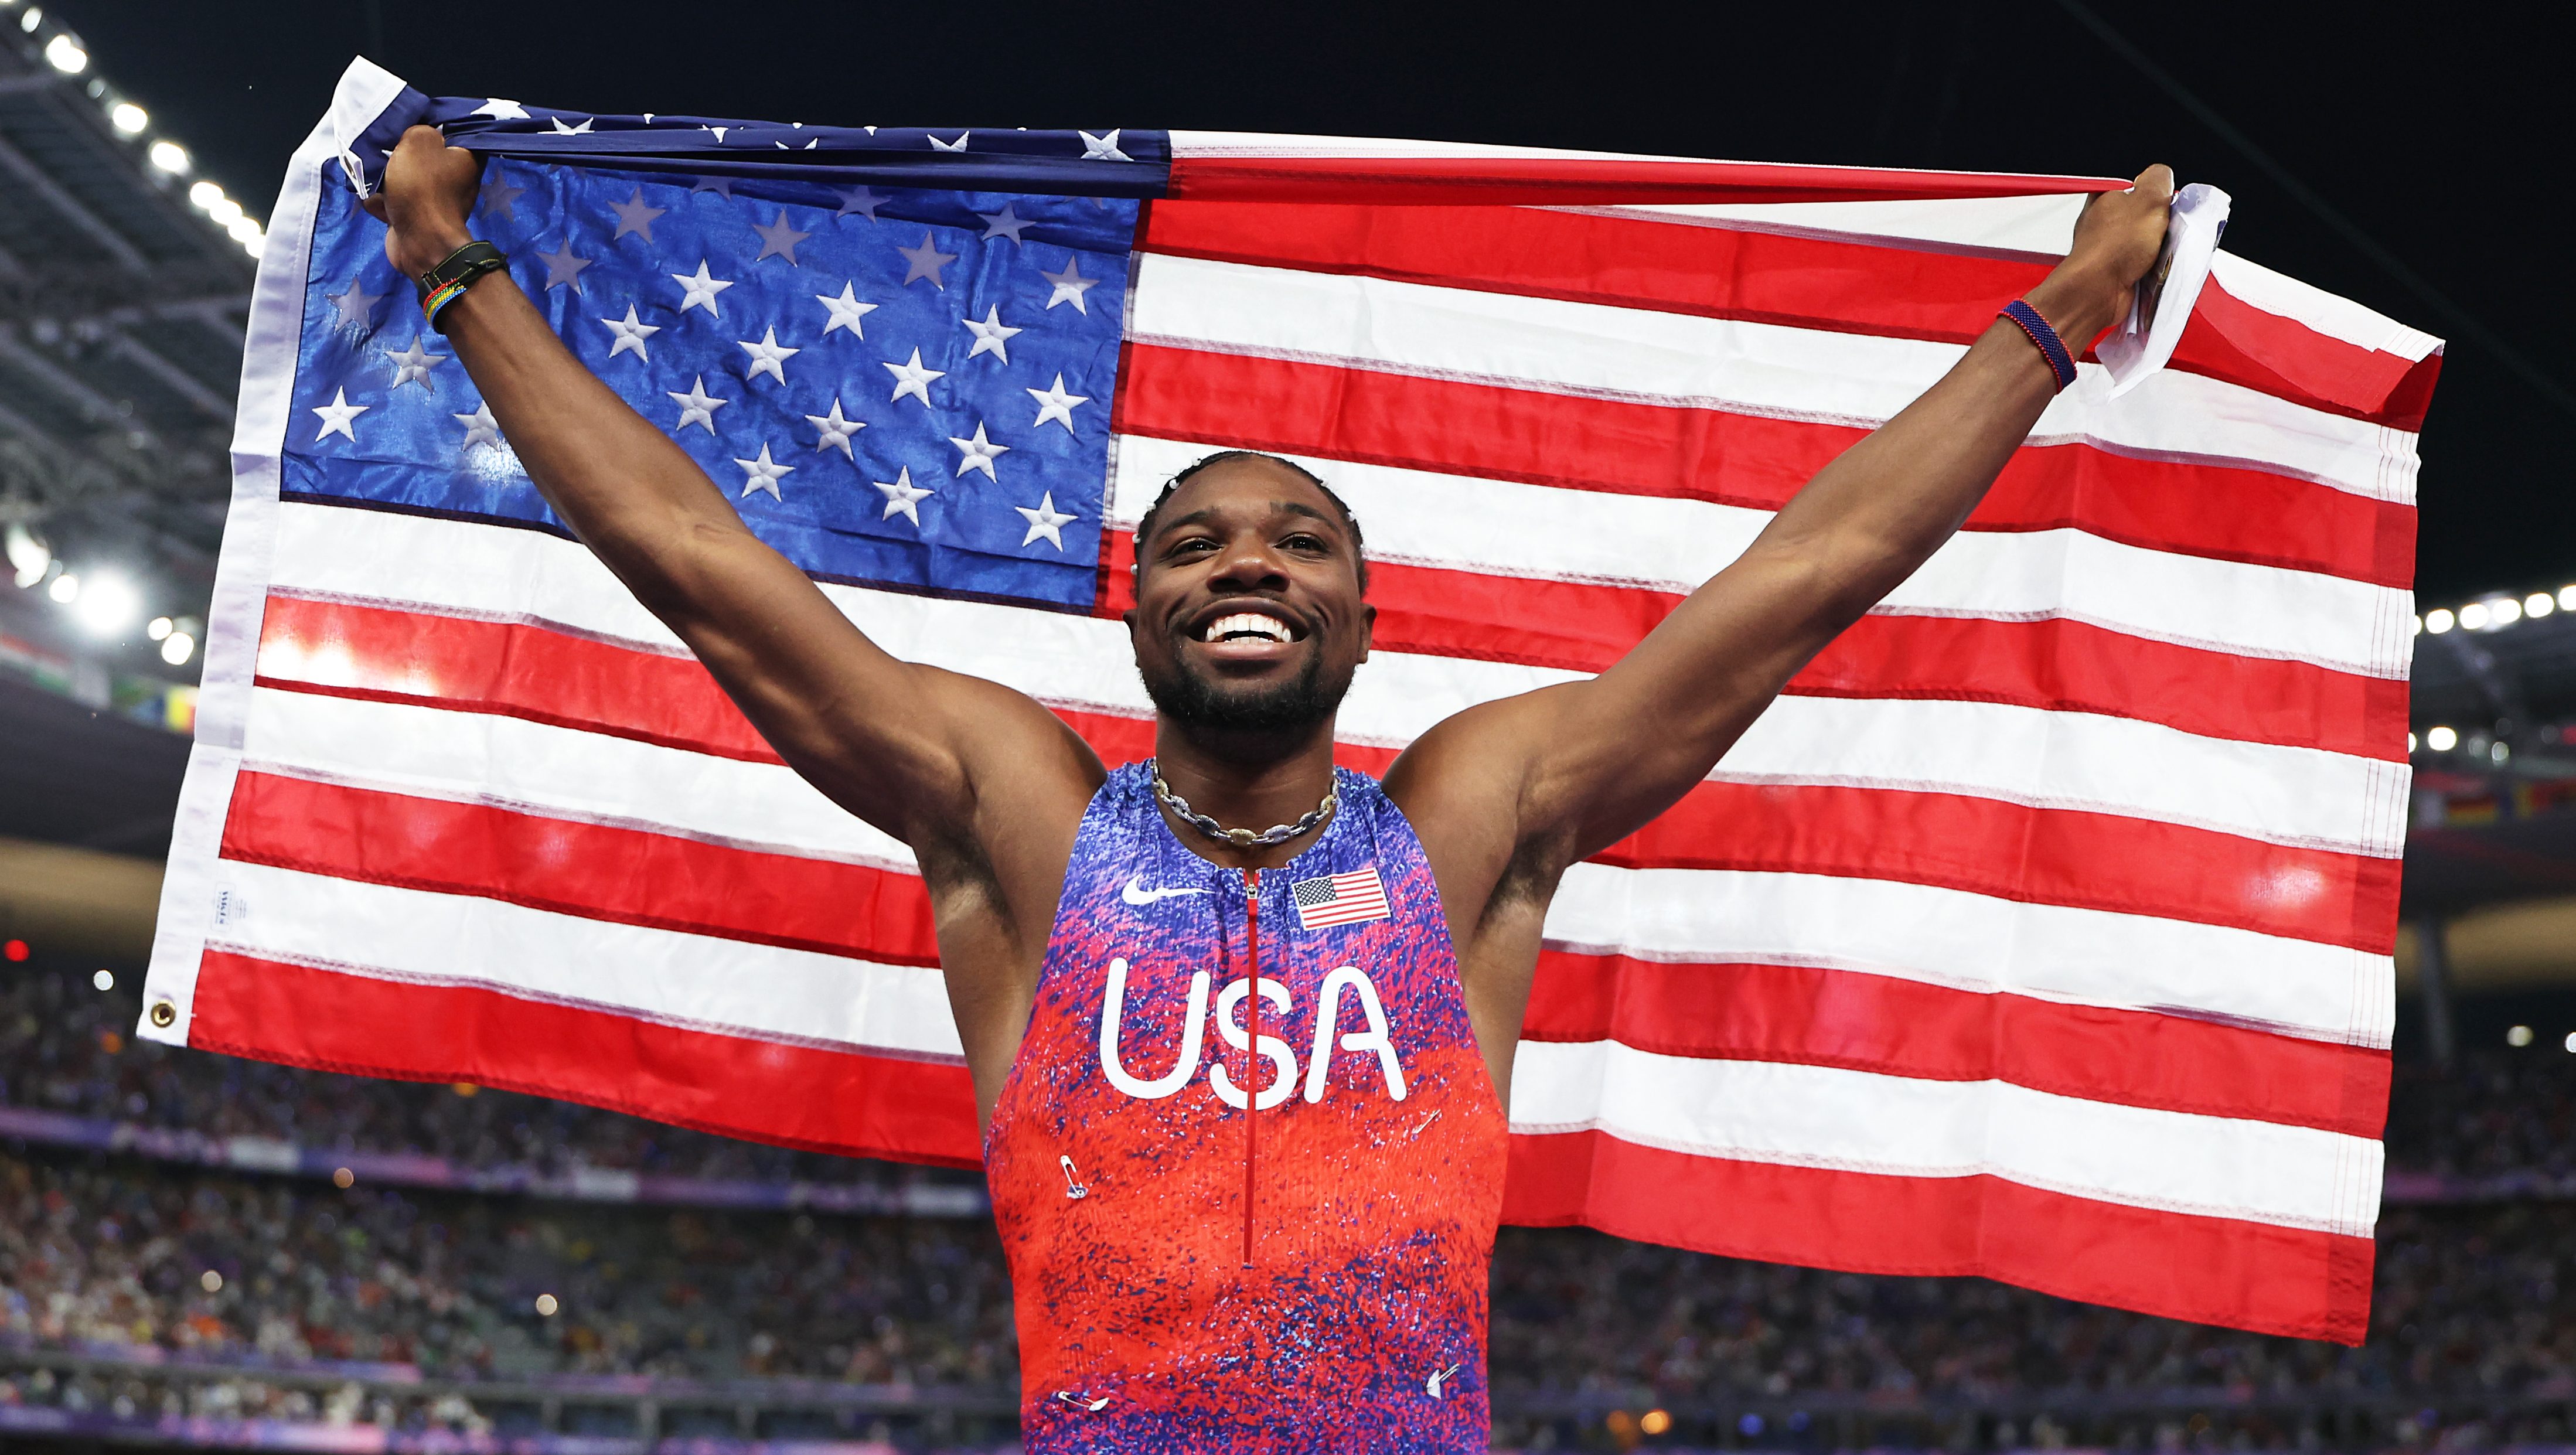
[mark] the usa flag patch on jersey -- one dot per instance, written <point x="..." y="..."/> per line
<point x="1342" y="899"/>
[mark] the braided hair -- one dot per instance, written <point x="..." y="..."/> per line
<point x="1350" y="522"/>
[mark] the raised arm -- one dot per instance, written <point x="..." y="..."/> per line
<point x="1575" y="768"/>
<point x="900" y="745"/>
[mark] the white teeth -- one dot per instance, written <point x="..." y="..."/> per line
<point x="1245" y="621"/>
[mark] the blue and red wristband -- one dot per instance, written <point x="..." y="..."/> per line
<point x="2045" y="339"/>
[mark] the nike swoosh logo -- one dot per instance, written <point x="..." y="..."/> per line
<point x="1137" y="894"/>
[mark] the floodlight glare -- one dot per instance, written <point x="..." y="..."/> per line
<point x="129" y="118"/>
<point x="243" y="229"/>
<point x="159" y="627"/>
<point x="66" y="587"/>
<point x="2414" y="626"/>
<point x="2567" y="598"/>
<point x="169" y="156"/>
<point x="255" y="246"/>
<point x="2518" y="1036"/>
<point x="2473" y="616"/>
<point x="2441" y="740"/>
<point x="205" y="195"/>
<point x="107" y="605"/>
<point x="224" y="210"/>
<point x="2438" y="620"/>
<point x="2539" y="603"/>
<point x="29" y="558"/>
<point x="177" y="648"/>
<point x="2410" y="742"/>
<point x="34" y="17"/>
<point x="66" y="55"/>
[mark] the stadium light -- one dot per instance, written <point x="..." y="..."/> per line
<point x="546" y="1304"/>
<point x="2519" y="1036"/>
<point x="2438" y="620"/>
<point x="106" y="605"/>
<point x="129" y="118"/>
<point x="2538" y="604"/>
<point x="2410" y="742"/>
<point x="2504" y="612"/>
<point x="205" y="195"/>
<point x="170" y="157"/>
<point x="2441" y="740"/>
<point x="159" y="628"/>
<point x="2567" y="598"/>
<point x="2473" y="617"/>
<point x="104" y="980"/>
<point x="224" y="210"/>
<point x="2571" y="1041"/>
<point x="211" y="1281"/>
<point x="66" y="588"/>
<point x="34" y="17"/>
<point x="66" y="55"/>
<point x="177" y="648"/>
<point x="29" y="558"/>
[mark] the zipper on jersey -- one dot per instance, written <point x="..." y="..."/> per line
<point x="1252" y="1052"/>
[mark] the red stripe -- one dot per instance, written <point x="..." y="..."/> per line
<point x="1987" y="846"/>
<point x="1503" y="181"/>
<point x="1802" y="1014"/>
<point x="2245" y="1275"/>
<point x="2056" y="665"/>
<point x="1881" y="1023"/>
<point x="1926" y="292"/>
<point x="794" y="1096"/>
<point x="1582" y="443"/>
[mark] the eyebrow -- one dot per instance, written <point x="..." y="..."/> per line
<point x="1207" y="512"/>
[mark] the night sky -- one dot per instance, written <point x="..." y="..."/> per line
<point x="2427" y="126"/>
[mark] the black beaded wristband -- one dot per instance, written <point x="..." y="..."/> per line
<point x="445" y="283"/>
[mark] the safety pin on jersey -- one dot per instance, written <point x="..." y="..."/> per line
<point x="1431" y="1386"/>
<point x="1426" y="1123"/>
<point x="1073" y="1187"/>
<point x="1095" y="1406"/>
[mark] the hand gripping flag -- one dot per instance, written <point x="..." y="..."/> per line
<point x="2042" y="930"/>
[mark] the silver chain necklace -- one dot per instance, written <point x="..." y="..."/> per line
<point x="1240" y="838"/>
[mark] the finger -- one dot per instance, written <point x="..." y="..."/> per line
<point x="374" y="203"/>
<point x="2156" y="181"/>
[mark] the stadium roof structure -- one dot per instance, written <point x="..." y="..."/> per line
<point x="124" y="284"/>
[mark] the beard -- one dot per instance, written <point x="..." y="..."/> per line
<point x="1298" y="705"/>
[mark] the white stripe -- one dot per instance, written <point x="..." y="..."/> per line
<point x="1282" y="144"/>
<point x="1915" y="932"/>
<point x="1503" y="527"/>
<point x="1979" y="943"/>
<point x="506" y="762"/>
<point x="2042" y="224"/>
<point x="1815" y="1116"/>
<point x="697" y="981"/>
<point x="2297" y="796"/>
<point x="1689" y="361"/>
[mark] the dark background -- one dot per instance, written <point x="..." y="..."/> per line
<point x="2434" y="129"/>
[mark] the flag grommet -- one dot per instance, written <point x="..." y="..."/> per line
<point x="163" y="1013"/>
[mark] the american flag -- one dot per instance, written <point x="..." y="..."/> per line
<point x="2042" y="930"/>
<point x="1339" y="899"/>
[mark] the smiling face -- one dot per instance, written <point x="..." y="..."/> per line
<point x="1248" y="614"/>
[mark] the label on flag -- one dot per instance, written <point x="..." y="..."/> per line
<point x="1343" y="899"/>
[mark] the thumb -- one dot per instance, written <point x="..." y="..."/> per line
<point x="2156" y="182"/>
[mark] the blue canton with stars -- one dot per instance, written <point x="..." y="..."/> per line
<point x="903" y="387"/>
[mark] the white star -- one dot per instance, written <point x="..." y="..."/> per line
<point x="412" y="365"/>
<point x="861" y="200"/>
<point x="635" y="215"/>
<point x="499" y="196"/>
<point x="700" y="291"/>
<point x="765" y="473"/>
<point x="1070" y="285"/>
<point x="355" y="305"/>
<point x="721" y="186"/>
<point x="766" y="356"/>
<point x="903" y="496"/>
<point x="631" y="334"/>
<point x="562" y="267"/>
<point x="563" y="130"/>
<point x="336" y="416"/>
<point x="719" y="131"/>
<point x="1045" y="521"/>
<point x="1005" y="223"/>
<point x="697" y="407"/>
<point x="980" y="455"/>
<point x="926" y="262"/>
<point x="500" y="110"/>
<point x="913" y="379"/>
<point x="836" y="430"/>
<point x="1102" y="148"/>
<point x="846" y="311"/>
<point x="958" y="145"/>
<point x="1055" y="404"/>
<point x="778" y="240"/>
<point x="992" y="336"/>
<point x="480" y="428"/>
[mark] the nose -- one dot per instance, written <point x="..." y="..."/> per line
<point x="1247" y="564"/>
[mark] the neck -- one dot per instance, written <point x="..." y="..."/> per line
<point x="1245" y="781"/>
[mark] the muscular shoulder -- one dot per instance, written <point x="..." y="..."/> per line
<point x="1464" y="786"/>
<point x="1025" y="777"/>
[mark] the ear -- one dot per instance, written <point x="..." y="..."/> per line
<point x="1368" y="629"/>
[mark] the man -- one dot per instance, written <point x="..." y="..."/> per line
<point x="1241" y="1026"/>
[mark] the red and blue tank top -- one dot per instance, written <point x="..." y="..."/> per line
<point x="1301" y="1268"/>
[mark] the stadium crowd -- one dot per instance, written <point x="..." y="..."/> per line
<point x="104" y="1251"/>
